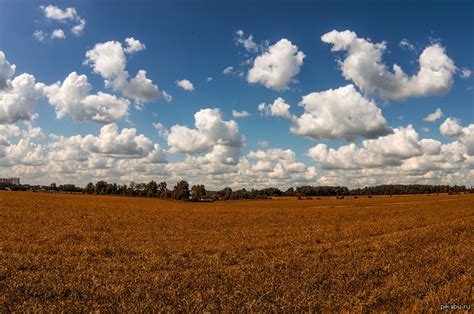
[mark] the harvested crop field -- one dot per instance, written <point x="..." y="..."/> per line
<point x="83" y="253"/>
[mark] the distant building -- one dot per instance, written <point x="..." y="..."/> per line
<point x="15" y="181"/>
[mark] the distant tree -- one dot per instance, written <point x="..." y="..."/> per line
<point x="100" y="187"/>
<point x="53" y="187"/>
<point x="90" y="188"/>
<point x="112" y="188"/>
<point x="181" y="190"/>
<point x="131" y="189"/>
<point x="198" y="191"/>
<point x="151" y="188"/>
<point x="290" y="192"/>
<point x="162" y="189"/>
<point x="226" y="193"/>
<point x="140" y="189"/>
<point x="67" y="187"/>
<point x="240" y="194"/>
<point x="122" y="189"/>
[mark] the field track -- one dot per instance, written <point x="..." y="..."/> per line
<point x="62" y="252"/>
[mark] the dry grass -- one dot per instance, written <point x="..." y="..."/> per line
<point x="73" y="253"/>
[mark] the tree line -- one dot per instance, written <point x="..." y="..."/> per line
<point x="183" y="191"/>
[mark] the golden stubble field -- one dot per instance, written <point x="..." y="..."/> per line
<point x="85" y="253"/>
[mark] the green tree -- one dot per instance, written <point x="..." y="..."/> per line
<point x="100" y="187"/>
<point x="162" y="189"/>
<point x="151" y="188"/>
<point x="90" y="188"/>
<point x="131" y="189"/>
<point x="181" y="190"/>
<point x="226" y="193"/>
<point x="198" y="191"/>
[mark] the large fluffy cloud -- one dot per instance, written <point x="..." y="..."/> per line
<point x="452" y="127"/>
<point x="6" y="71"/>
<point x="109" y="61"/>
<point x="277" y="66"/>
<point x="25" y="152"/>
<point x="72" y="98"/>
<point x="141" y="89"/>
<point x="18" y="97"/>
<point x="386" y="150"/>
<point x="123" y="144"/>
<point x="18" y="101"/>
<point x="399" y="158"/>
<point x="363" y="65"/>
<point x="219" y="138"/>
<point x="340" y="113"/>
<point x="113" y="155"/>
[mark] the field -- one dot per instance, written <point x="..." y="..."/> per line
<point x="85" y="253"/>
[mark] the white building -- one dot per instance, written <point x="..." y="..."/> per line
<point x="15" y="181"/>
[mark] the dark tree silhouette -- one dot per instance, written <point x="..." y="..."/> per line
<point x="90" y="188"/>
<point x="151" y="189"/>
<point x="181" y="190"/>
<point x="162" y="189"/>
<point x="198" y="191"/>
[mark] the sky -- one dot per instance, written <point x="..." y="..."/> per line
<point x="239" y="93"/>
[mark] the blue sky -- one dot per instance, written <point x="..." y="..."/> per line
<point x="195" y="40"/>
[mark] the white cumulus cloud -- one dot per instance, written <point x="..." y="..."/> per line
<point x="432" y="117"/>
<point x="65" y="16"/>
<point x="133" y="45"/>
<point x="6" y="71"/>
<point x="451" y="127"/>
<point x="18" y="101"/>
<point x="124" y="144"/>
<point x="340" y="113"/>
<point x="389" y="150"/>
<point x="58" y="34"/>
<point x="186" y="85"/>
<point x="277" y="66"/>
<point x="219" y="138"/>
<point x="279" y="108"/>
<point x="55" y="13"/>
<point x="109" y="61"/>
<point x="72" y="97"/>
<point x="363" y="65"/>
